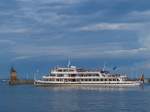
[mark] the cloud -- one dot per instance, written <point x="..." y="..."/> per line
<point x="14" y="30"/>
<point x="112" y="26"/>
<point x="144" y="39"/>
<point x="21" y="58"/>
<point x="6" y="42"/>
<point x="53" y="1"/>
<point x="112" y="51"/>
<point x="141" y="67"/>
<point x="142" y="26"/>
<point x="141" y="16"/>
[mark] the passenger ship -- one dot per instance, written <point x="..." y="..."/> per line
<point x="71" y="75"/>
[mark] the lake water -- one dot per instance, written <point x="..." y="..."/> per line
<point x="40" y="99"/>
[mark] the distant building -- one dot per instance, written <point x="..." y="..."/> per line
<point x="15" y="81"/>
<point x="13" y="75"/>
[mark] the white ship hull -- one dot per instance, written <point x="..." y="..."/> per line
<point x="100" y="84"/>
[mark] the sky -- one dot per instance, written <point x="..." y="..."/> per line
<point x="36" y="35"/>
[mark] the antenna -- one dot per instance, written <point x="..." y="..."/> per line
<point x="69" y="62"/>
<point x="104" y="66"/>
<point x="27" y="77"/>
<point x="34" y="76"/>
<point x="37" y="72"/>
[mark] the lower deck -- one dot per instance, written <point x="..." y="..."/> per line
<point x="98" y="83"/>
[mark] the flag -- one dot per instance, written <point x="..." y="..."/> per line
<point x="114" y="68"/>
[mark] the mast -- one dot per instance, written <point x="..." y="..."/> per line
<point x="69" y="63"/>
<point x="104" y="66"/>
<point x="34" y="76"/>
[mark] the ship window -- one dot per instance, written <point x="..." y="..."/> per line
<point x="117" y="79"/>
<point x="105" y="79"/>
<point x="57" y="79"/>
<point x="59" y="75"/>
<point x="86" y="80"/>
<point x="89" y="79"/>
<point x="97" y="79"/>
<point x="59" y="70"/>
<point x="93" y="75"/>
<point x="51" y="79"/>
<point x="73" y="80"/>
<point x="72" y="75"/>
<point x="65" y="70"/>
<point x="52" y="74"/>
<point x="101" y="79"/>
<point x="110" y="80"/>
<point x="71" y="70"/>
<point x="114" y="79"/>
<point x="76" y="80"/>
<point x="97" y="74"/>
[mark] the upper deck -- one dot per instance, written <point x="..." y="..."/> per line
<point x="73" y="70"/>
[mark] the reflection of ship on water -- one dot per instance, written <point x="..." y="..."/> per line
<point x="71" y="75"/>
